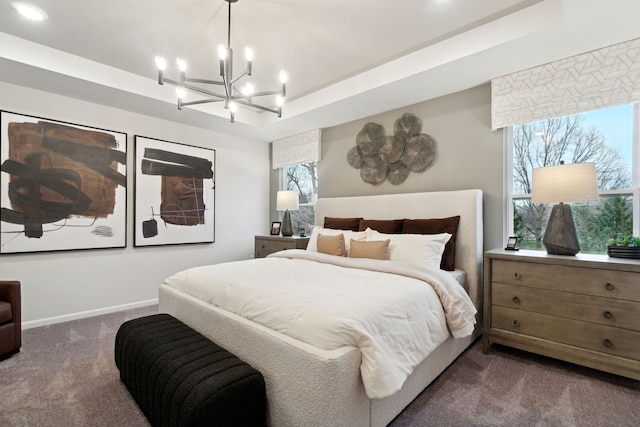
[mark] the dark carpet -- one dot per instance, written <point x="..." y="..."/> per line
<point x="65" y="375"/>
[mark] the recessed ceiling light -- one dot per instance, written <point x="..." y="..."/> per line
<point x="30" y="11"/>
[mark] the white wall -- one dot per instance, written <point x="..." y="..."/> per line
<point x="60" y="286"/>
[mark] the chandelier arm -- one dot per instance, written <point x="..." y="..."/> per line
<point x="195" y="89"/>
<point x="202" y="101"/>
<point x="227" y="87"/>
<point x="259" y="107"/>
<point x="244" y="73"/>
<point x="271" y="92"/>
<point x="205" y="92"/>
<point x="211" y="82"/>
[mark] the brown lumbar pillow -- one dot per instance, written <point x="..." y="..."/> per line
<point x="332" y="245"/>
<point x="374" y="249"/>
<point x="389" y="226"/>
<point x="437" y="226"/>
<point x="342" y="223"/>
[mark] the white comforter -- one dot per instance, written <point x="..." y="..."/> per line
<point x="394" y="313"/>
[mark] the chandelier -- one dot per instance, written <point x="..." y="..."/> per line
<point x="230" y="94"/>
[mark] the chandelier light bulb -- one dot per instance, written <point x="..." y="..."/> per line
<point x="248" y="54"/>
<point x="233" y="107"/>
<point x="161" y="63"/>
<point x="248" y="89"/>
<point x="182" y="65"/>
<point x="180" y="92"/>
<point x="222" y="52"/>
<point x="283" y="77"/>
<point x="279" y="101"/>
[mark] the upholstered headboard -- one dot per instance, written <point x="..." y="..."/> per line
<point x="439" y="204"/>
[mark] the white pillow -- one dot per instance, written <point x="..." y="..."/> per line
<point x="348" y="235"/>
<point x="422" y="248"/>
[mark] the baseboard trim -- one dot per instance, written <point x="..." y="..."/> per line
<point x="88" y="313"/>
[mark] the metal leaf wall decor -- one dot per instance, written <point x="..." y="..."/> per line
<point x="392" y="157"/>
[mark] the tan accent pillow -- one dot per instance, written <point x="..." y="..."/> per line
<point x="374" y="249"/>
<point x="332" y="245"/>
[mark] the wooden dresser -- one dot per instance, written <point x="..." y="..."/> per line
<point x="265" y="245"/>
<point x="583" y="309"/>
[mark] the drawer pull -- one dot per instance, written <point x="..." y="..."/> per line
<point x="262" y="246"/>
<point x="515" y="323"/>
<point x="607" y="315"/>
<point x="607" y="343"/>
<point x="516" y="275"/>
<point x="515" y="300"/>
<point x="609" y="287"/>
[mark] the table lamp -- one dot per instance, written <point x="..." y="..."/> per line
<point x="561" y="184"/>
<point x="287" y="200"/>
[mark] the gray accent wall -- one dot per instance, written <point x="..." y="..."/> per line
<point x="469" y="155"/>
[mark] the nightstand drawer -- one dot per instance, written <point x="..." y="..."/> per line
<point x="605" y="311"/>
<point x="266" y="247"/>
<point x="600" y="338"/>
<point x="591" y="281"/>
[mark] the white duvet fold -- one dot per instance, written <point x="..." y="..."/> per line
<point x="394" y="313"/>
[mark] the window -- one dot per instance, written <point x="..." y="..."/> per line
<point x="605" y="137"/>
<point x="302" y="178"/>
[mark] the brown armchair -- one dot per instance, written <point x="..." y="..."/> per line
<point x="10" y="318"/>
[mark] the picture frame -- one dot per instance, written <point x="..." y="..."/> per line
<point x="275" y="228"/>
<point x="511" y="244"/>
<point x="174" y="193"/>
<point x="63" y="186"/>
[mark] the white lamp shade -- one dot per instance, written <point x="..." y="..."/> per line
<point x="574" y="182"/>
<point x="287" y="199"/>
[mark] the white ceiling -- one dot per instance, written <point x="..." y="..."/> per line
<point x="345" y="59"/>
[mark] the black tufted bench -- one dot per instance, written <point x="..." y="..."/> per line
<point x="180" y="378"/>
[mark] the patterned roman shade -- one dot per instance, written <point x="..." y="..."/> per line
<point x="296" y="149"/>
<point x="602" y="78"/>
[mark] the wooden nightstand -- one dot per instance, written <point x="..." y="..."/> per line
<point x="266" y="245"/>
<point x="583" y="309"/>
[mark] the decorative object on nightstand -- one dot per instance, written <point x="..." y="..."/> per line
<point x="275" y="228"/>
<point x="287" y="200"/>
<point x="584" y="309"/>
<point x="265" y="245"/>
<point x="560" y="184"/>
<point x="625" y="246"/>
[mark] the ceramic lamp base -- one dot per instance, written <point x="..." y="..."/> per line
<point x="560" y="237"/>
<point x="287" y="228"/>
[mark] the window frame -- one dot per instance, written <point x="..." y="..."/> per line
<point x="634" y="191"/>
<point x="283" y="184"/>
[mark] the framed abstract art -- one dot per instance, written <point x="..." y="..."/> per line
<point x="63" y="186"/>
<point x="174" y="193"/>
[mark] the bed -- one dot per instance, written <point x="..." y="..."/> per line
<point x="308" y="385"/>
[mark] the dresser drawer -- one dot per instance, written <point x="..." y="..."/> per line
<point x="599" y="282"/>
<point x="600" y="338"/>
<point x="605" y="311"/>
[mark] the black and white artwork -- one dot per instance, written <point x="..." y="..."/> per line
<point x="174" y="193"/>
<point x="62" y="186"/>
